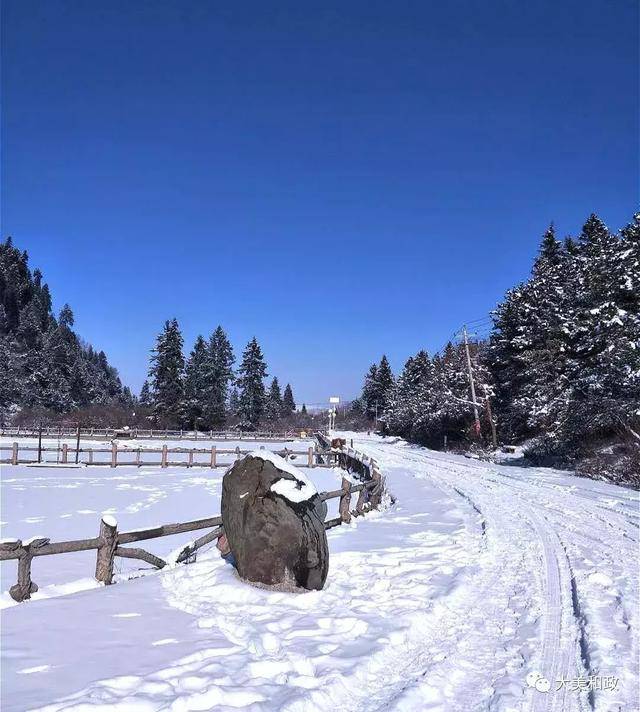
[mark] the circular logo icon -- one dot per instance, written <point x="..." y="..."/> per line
<point x="543" y="685"/>
<point x="532" y="678"/>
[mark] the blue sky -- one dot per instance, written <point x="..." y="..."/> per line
<point x="339" y="179"/>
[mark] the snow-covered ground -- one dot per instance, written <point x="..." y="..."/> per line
<point x="479" y="577"/>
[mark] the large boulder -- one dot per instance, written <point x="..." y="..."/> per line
<point x="274" y="521"/>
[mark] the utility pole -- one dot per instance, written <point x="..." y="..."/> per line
<point x="476" y="415"/>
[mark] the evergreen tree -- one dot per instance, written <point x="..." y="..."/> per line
<point x="370" y="392"/>
<point x="410" y="396"/>
<point x="385" y="382"/>
<point x="45" y="363"/>
<point x="218" y="378"/>
<point x="604" y="358"/>
<point x="288" y="403"/>
<point x="251" y="375"/>
<point x="167" y="374"/>
<point x="274" y="405"/>
<point x="304" y="409"/>
<point x="234" y="402"/>
<point x="377" y="389"/>
<point x="195" y="386"/>
<point x="146" y="398"/>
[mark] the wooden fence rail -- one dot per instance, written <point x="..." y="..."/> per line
<point x="66" y="455"/>
<point x="110" y="542"/>
<point x="50" y="431"/>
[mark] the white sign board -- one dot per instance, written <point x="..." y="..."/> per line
<point x="334" y="399"/>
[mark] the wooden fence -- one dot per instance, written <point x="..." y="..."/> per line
<point x="109" y="543"/>
<point x="115" y="455"/>
<point x="54" y="431"/>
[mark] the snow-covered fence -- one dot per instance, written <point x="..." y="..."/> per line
<point x="110" y="542"/>
<point x="115" y="455"/>
<point x="54" y="431"/>
<point x="353" y="461"/>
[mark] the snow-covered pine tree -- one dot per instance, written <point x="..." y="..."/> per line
<point x="550" y="309"/>
<point x="167" y="375"/>
<point x="218" y="377"/>
<point x="370" y="392"/>
<point x="288" y="402"/>
<point x="385" y="383"/>
<point x="46" y="364"/>
<point x="234" y="402"/>
<point x="252" y="395"/>
<point x="274" y="406"/>
<point x="377" y="389"/>
<point x="145" y="397"/>
<point x="604" y="359"/>
<point x="410" y="395"/>
<point x="195" y="386"/>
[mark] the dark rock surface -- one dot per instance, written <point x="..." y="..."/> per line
<point x="274" y="522"/>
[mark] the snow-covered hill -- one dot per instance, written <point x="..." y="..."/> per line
<point x="479" y="578"/>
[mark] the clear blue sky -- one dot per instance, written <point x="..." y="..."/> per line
<point x="339" y="179"/>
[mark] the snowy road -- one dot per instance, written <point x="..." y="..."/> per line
<point x="477" y="577"/>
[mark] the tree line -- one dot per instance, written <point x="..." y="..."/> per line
<point x="561" y="366"/>
<point x="47" y="371"/>
<point x="44" y="364"/>
<point x="203" y="391"/>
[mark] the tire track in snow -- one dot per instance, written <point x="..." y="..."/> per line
<point x="563" y="650"/>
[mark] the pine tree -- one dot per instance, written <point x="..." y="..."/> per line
<point x="274" y="406"/>
<point x="195" y="393"/>
<point x="385" y="382"/>
<point x="167" y="374"/>
<point x="377" y="388"/>
<point x="234" y="402"/>
<point x="218" y="378"/>
<point x="304" y="409"/>
<point x="146" y="398"/>
<point x="370" y="392"/>
<point x="251" y="375"/>
<point x="288" y="403"/>
<point x="48" y="365"/>
<point x="410" y="396"/>
<point x="603" y="359"/>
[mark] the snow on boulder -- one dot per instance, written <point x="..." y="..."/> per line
<point x="274" y="521"/>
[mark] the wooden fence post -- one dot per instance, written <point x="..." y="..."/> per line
<point x="65" y="452"/>
<point x="164" y="456"/>
<point x="22" y="590"/>
<point x="213" y="456"/>
<point x="190" y="462"/>
<point x="114" y="454"/>
<point x="14" y="454"/>
<point x="345" y="501"/>
<point x="362" y="498"/>
<point x="109" y="541"/>
<point x="376" y="492"/>
<point x="138" y="451"/>
<point x="310" y="456"/>
<point x="238" y="452"/>
<point x="90" y="451"/>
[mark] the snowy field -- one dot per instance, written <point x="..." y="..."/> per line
<point x="479" y="578"/>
